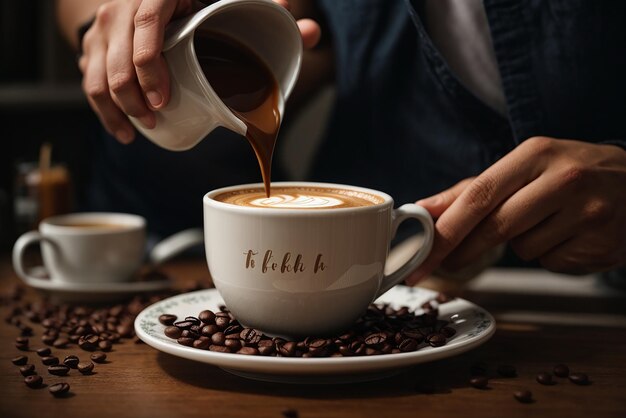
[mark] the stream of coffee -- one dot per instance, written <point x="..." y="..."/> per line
<point x="247" y="86"/>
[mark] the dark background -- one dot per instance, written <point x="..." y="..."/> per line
<point x="40" y="100"/>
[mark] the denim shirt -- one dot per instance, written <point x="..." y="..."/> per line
<point x="403" y="123"/>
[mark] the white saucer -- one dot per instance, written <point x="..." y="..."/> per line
<point x="92" y="292"/>
<point x="473" y="324"/>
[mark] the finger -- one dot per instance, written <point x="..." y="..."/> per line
<point x="96" y="89"/>
<point x="438" y="203"/>
<point x="310" y="31"/>
<point x="544" y="237"/>
<point x="121" y="76"/>
<point x="152" y="74"/>
<point x="283" y="3"/>
<point x="478" y="199"/>
<point x="522" y="211"/>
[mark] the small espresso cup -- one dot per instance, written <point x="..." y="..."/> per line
<point x="86" y="247"/>
<point x="195" y="109"/>
<point x="309" y="259"/>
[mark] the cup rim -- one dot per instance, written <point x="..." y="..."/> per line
<point x="208" y="200"/>
<point x="58" y="224"/>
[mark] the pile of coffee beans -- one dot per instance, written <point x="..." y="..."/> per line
<point x="381" y="330"/>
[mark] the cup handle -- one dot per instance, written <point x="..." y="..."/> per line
<point x="404" y="212"/>
<point x="175" y="244"/>
<point x="20" y="246"/>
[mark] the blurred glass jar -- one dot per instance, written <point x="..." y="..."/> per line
<point x="40" y="193"/>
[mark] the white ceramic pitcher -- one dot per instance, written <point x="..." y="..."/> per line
<point x="194" y="109"/>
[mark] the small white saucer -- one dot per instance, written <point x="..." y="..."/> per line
<point x="92" y="292"/>
<point x="473" y="324"/>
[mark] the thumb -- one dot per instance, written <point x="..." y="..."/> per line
<point x="437" y="204"/>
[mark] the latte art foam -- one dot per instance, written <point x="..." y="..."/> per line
<point x="300" y="198"/>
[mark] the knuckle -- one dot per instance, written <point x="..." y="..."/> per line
<point x="540" y="145"/>
<point x="104" y="13"/>
<point x="95" y="90"/>
<point x="572" y="176"/>
<point x="120" y="81"/>
<point x="596" y="211"/>
<point x="144" y="56"/>
<point x="145" y="18"/>
<point x="480" y="194"/>
<point x="496" y="229"/>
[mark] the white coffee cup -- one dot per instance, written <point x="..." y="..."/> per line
<point x="194" y="109"/>
<point x="296" y="272"/>
<point x="86" y="247"/>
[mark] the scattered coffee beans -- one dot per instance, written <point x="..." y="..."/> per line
<point x="33" y="381"/>
<point x="579" y="379"/>
<point x="85" y="368"/>
<point x="561" y="370"/>
<point x="98" y="357"/>
<point x="71" y="361"/>
<point x="50" y="361"/>
<point x="479" y="382"/>
<point x="59" y="389"/>
<point x="381" y="330"/>
<point x="21" y="343"/>
<point x="523" y="396"/>
<point x="59" y="370"/>
<point x="44" y="352"/>
<point x="20" y="360"/>
<point x="545" y="378"/>
<point x="28" y="370"/>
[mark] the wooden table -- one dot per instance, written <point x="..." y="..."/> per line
<point x="139" y="381"/>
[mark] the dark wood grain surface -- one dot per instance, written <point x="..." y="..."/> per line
<point x="139" y="381"/>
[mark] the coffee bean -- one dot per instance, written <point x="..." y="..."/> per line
<point x="86" y="367"/>
<point x="290" y="413"/>
<point x="219" y="348"/>
<point x="266" y="347"/>
<point x="33" y="381"/>
<point x="184" y="324"/>
<point x="222" y="321"/>
<point x="48" y="339"/>
<point x="479" y="382"/>
<point x="233" y="344"/>
<point x="59" y="370"/>
<point x="105" y="345"/>
<point x="218" y="338"/>
<point x="250" y="337"/>
<point x="186" y="341"/>
<point x="206" y="316"/>
<point x="59" y="389"/>
<point x="286" y="349"/>
<point x="545" y="378"/>
<point x="443" y="298"/>
<point x="173" y="332"/>
<point x="71" y="361"/>
<point x="376" y="340"/>
<point x="44" y="352"/>
<point x="201" y="344"/>
<point x="89" y="342"/>
<point x="436" y="340"/>
<point x="28" y="370"/>
<point x="408" y="345"/>
<point x="193" y="319"/>
<point x="579" y="378"/>
<point x="523" y="396"/>
<point x="98" y="357"/>
<point x="507" y="370"/>
<point x="249" y="351"/>
<point x="60" y="343"/>
<point x="167" y="319"/>
<point x="561" y="370"/>
<point x="20" y="360"/>
<point x="50" y="361"/>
